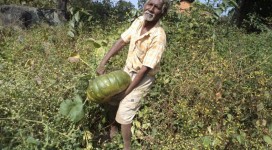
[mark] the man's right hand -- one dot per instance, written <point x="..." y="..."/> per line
<point x="100" y="70"/>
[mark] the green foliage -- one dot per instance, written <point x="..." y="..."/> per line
<point x="34" y="3"/>
<point x="122" y="9"/>
<point x="223" y="6"/>
<point x="213" y="90"/>
<point x="207" y="96"/>
<point x="255" y="16"/>
<point x="36" y="78"/>
<point x="256" y="22"/>
<point x="88" y="15"/>
<point x="73" y="109"/>
<point x="268" y="139"/>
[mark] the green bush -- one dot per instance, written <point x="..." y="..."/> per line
<point x="213" y="90"/>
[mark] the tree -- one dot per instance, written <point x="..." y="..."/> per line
<point x="141" y="4"/>
<point x="121" y="8"/>
<point x="253" y="13"/>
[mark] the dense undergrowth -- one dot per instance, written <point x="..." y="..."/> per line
<point x="213" y="90"/>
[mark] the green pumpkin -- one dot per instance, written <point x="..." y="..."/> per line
<point x="105" y="86"/>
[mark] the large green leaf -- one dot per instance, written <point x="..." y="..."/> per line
<point x="267" y="139"/>
<point x="206" y="141"/>
<point x="72" y="109"/>
<point x="270" y="127"/>
<point x="77" y="16"/>
<point x="71" y="34"/>
<point x="31" y="140"/>
<point x="95" y="43"/>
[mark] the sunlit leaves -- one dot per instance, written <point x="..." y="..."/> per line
<point x="220" y="7"/>
<point x="87" y="137"/>
<point x="74" y="22"/>
<point x="267" y="139"/>
<point x="270" y="127"/>
<point x="100" y="48"/>
<point x="98" y="43"/>
<point x="71" y="33"/>
<point x="77" y="16"/>
<point x="74" y="58"/>
<point x="185" y="109"/>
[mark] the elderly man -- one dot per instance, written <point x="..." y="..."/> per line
<point x="147" y="43"/>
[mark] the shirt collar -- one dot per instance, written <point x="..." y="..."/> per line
<point x="148" y="33"/>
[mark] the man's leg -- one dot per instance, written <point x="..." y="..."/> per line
<point x="113" y="129"/>
<point x="126" y="134"/>
<point x="111" y="116"/>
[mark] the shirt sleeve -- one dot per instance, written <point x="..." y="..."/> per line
<point x="154" y="54"/>
<point x="126" y="36"/>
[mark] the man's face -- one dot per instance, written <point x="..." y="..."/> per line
<point x="153" y="10"/>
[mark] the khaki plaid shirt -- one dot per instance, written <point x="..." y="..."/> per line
<point x="146" y="49"/>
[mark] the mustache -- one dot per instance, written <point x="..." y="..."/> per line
<point x="149" y="13"/>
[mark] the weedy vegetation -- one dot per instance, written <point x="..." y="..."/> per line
<point x="213" y="91"/>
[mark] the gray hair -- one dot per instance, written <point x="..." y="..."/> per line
<point x="165" y="6"/>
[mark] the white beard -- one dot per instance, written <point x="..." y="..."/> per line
<point x="148" y="16"/>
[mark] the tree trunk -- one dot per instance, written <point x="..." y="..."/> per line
<point x="242" y="11"/>
<point x="262" y="8"/>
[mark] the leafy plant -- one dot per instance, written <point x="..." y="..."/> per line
<point x="72" y="109"/>
<point x="213" y="90"/>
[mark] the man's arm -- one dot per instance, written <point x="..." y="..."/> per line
<point x="114" y="50"/>
<point x="140" y="75"/>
